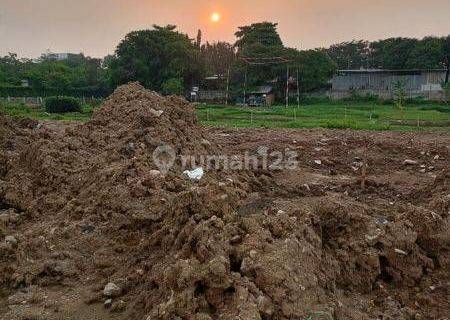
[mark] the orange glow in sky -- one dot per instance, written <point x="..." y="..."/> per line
<point x="95" y="27"/>
<point x="215" y="17"/>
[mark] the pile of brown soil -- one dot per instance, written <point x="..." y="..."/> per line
<point x="98" y="181"/>
<point x="87" y="207"/>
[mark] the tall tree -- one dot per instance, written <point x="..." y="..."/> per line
<point x="263" y="34"/>
<point x="350" y="55"/>
<point x="199" y="39"/>
<point x="446" y="57"/>
<point x="11" y="69"/>
<point x="393" y="53"/>
<point x="217" y="57"/>
<point x="258" y="40"/>
<point x="261" y="40"/>
<point x="426" y="54"/>
<point x="154" y="56"/>
<point x="315" y="68"/>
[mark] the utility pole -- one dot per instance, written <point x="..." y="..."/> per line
<point x="298" y="91"/>
<point x="245" y="86"/>
<point x="447" y="74"/>
<point x="287" y="86"/>
<point x="228" y="86"/>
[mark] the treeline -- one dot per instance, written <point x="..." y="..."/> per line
<point x="393" y="53"/>
<point x="76" y="76"/>
<point x="166" y="60"/>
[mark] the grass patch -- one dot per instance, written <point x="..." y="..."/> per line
<point x="356" y="115"/>
<point x="437" y="107"/>
<point x="21" y="110"/>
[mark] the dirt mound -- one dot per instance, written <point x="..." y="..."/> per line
<point x="134" y="118"/>
<point x="91" y="213"/>
<point x="99" y="180"/>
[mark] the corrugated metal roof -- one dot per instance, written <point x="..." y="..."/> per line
<point x="262" y="90"/>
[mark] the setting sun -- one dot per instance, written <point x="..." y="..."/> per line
<point x="215" y="17"/>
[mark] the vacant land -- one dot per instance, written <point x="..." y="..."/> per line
<point x="421" y="116"/>
<point x="90" y="228"/>
<point x="335" y="115"/>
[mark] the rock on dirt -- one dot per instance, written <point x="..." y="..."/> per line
<point x="11" y="240"/>
<point x="155" y="173"/>
<point x="111" y="290"/>
<point x="410" y="162"/>
<point x="108" y="303"/>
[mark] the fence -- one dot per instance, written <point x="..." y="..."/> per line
<point x="26" y="100"/>
<point x="38" y="101"/>
<point x="432" y="95"/>
<point x="210" y="96"/>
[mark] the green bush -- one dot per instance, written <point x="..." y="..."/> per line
<point x="173" y="86"/>
<point x="373" y="115"/>
<point x="62" y="104"/>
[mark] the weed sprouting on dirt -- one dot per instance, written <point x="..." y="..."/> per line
<point x="400" y="95"/>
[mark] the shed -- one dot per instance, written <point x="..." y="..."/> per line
<point x="261" y="96"/>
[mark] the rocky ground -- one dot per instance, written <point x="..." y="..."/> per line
<point x="90" y="228"/>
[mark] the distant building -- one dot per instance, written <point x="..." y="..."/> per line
<point x="61" y="56"/>
<point x="217" y="96"/>
<point x="55" y="56"/>
<point x="416" y="83"/>
<point x="212" y="90"/>
<point x="261" y="96"/>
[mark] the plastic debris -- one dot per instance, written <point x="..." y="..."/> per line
<point x="196" y="174"/>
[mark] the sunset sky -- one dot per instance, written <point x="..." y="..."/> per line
<point x="95" y="27"/>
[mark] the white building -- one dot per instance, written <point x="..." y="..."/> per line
<point x="54" y="56"/>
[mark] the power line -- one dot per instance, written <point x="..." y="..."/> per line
<point x="261" y="61"/>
